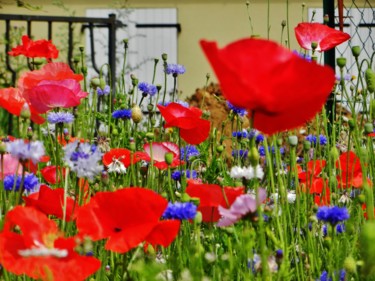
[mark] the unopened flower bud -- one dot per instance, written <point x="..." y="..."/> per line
<point x="367" y="247"/>
<point x="136" y="114"/>
<point x="356" y="50"/>
<point x="25" y="111"/>
<point x="370" y="80"/>
<point x="220" y="148"/>
<point x="326" y="18"/>
<point x="150" y="107"/>
<point x="369" y="128"/>
<point x="126" y="43"/>
<point x="150" y="136"/>
<point x="164" y="57"/>
<point x="102" y="83"/>
<point x="293" y="141"/>
<point x="198" y="218"/>
<point x="306" y="145"/>
<point x="351" y="124"/>
<point x="283" y="23"/>
<point x="334" y="153"/>
<point x="81" y="48"/>
<point x="341" y="62"/>
<point x="95" y="82"/>
<point x="350" y="265"/>
<point x="254" y="156"/>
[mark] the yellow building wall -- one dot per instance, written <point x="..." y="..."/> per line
<point x="221" y="20"/>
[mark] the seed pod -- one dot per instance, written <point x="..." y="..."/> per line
<point x="370" y="80"/>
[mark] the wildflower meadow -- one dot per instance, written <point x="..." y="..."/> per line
<point x="129" y="182"/>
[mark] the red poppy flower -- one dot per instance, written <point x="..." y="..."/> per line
<point x="158" y="150"/>
<point x="126" y="217"/>
<point x="51" y="202"/>
<point x="324" y="36"/>
<point x="323" y="199"/>
<point x="351" y="171"/>
<point x="39" y="250"/>
<point x="35" y="49"/>
<point x="55" y="85"/>
<point x="49" y="174"/>
<point x="278" y="88"/>
<point x="11" y="99"/>
<point x="314" y="168"/>
<point x="164" y="233"/>
<point x="119" y="158"/>
<point x="193" y="129"/>
<point x="211" y="196"/>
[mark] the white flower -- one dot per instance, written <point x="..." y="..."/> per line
<point x="236" y="172"/>
<point x="117" y="167"/>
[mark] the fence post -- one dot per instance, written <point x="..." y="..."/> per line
<point x="112" y="51"/>
<point x="329" y="59"/>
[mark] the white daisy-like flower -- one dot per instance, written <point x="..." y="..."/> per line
<point x="236" y="172"/>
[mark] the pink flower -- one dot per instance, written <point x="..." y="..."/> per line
<point x="55" y="85"/>
<point x="243" y="205"/>
<point x="11" y="166"/>
<point x="326" y="37"/>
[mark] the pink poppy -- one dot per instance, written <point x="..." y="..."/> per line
<point x="193" y="129"/>
<point x="324" y="36"/>
<point x="55" y="85"/>
<point x="279" y="89"/>
<point x="243" y="205"/>
<point x="11" y="166"/>
<point x="158" y="150"/>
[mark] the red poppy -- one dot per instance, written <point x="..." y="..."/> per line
<point x="323" y="199"/>
<point x="164" y="233"/>
<point x="49" y="174"/>
<point x="51" y="202"/>
<point x="158" y="150"/>
<point x="55" y="85"/>
<point x="314" y="168"/>
<point x="350" y="169"/>
<point x="324" y="36"/>
<point x="193" y="129"/>
<point x="278" y="88"/>
<point x="35" y="49"/>
<point x="11" y="99"/>
<point x="39" y="250"/>
<point x="126" y="217"/>
<point x="211" y="196"/>
<point x="117" y="157"/>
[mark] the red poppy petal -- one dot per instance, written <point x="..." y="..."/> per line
<point x="164" y="233"/>
<point x="272" y="90"/>
<point x="198" y="134"/>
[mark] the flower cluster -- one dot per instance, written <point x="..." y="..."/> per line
<point x="13" y="183"/>
<point x="248" y="173"/>
<point x="175" y="69"/>
<point x="103" y="92"/>
<point x="237" y="110"/>
<point x="60" y="117"/>
<point x="147" y="88"/>
<point x="24" y="151"/>
<point x="122" y="114"/>
<point x="180" y="211"/>
<point x="332" y="215"/>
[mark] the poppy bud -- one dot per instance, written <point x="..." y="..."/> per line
<point x="341" y="62"/>
<point x="369" y="128"/>
<point x="37" y="62"/>
<point x="293" y="141"/>
<point x="350" y="265"/>
<point x="150" y="136"/>
<point x="164" y="56"/>
<point x="334" y="153"/>
<point x="356" y="50"/>
<point x="363" y="153"/>
<point x="254" y="156"/>
<point x="372" y="105"/>
<point x="168" y="157"/>
<point x="84" y="69"/>
<point x="326" y="18"/>
<point x="327" y="242"/>
<point x="306" y="145"/>
<point x="158" y="87"/>
<point x="283" y="23"/>
<point x="351" y="124"/>
<point x="126" y="43"/>
<point x="76" y="59"/>
<point x="137" y="114"/>
<point x="220" y="148"/>
<point x="185" y="197"/>
<point x="115" y="132"/>
<point x="95" y="82"/>
<point x="102" y="83"/>
<point x="198" y="218"/>
<point x="81" y="48"/>
<point x="153" y="121"/>
<point x="150" y="107"/>
<point x="370" y="80"/>
<point x="361" y="198"/>
<point x="25" y="111"/>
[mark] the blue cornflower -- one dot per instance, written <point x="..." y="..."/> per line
<point x="30" y="184"/>
<point x="180" y="211"/>
<point x="188" y="151"/>
<point x="259" y="138"/>
<point x="262" y="151"/>
<point x="175" y="69"/>
<point x="191" y="174"/>
<point x="60" y="117"/>
<point x="103" y="92"/>
<point x="240" y="153"/>
<point x="176" y="175"/>
<point x="237" y="110"/>
<point x="324" y="276"/>
<point x="282" y="150"/>
<point x="23" y="151"/>
<point x="332" y="215"/>
<point x="322" y="140"/>
<point x="240" y="134"/>
<point x="83" y="158"/>
<point x="147" y="88"/>
<point x="311" y="138"/>
<point x="122" y="114"/>
<point x="180" y="102"/>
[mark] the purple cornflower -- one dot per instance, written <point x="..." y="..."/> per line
<point x="180" y="211"/>
<point x="23" y="151"/>
<point x="332" y="215"/>
<point x="322" y="140"/>
<point x="188" y="151"/>
<point x="103" y="92"/>
<point x="175" y="69"/>
<point x="13" y="183"/>
<point x="60" y="117"/>
<point x="176" y="175"/>
<point x="240" y="153"/>
<point x="237" y="110"/>
<point x="122" y="114"/>
<point x="311" y="138"/>
<point x="303" y="55"/>
<point x="83" y="158"/>
<point x="147" y="88"/>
